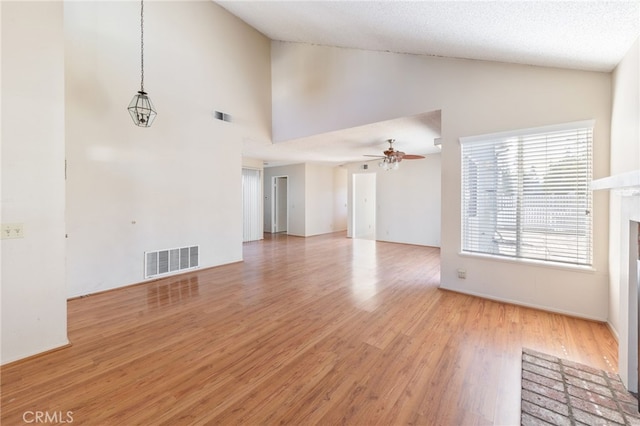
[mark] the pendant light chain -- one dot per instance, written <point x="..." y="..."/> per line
<point x="141" y="108"/>
<point x="142" y="45"/>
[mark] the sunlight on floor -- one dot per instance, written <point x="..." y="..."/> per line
<point x="364" y="274"/>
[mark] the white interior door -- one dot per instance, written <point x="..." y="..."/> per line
<point x="280" y="213"/>
<point x="364" y="206"/>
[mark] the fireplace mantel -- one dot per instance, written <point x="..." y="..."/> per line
<point x="626" y="184"/>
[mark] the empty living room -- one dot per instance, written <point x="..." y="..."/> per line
<point x="301" y="213"/>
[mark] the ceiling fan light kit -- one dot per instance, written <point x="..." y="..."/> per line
<point x="392" y="158"/>
<point x="389" y="163"/>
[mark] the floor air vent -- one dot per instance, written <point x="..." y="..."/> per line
<point x="163" y="262"/>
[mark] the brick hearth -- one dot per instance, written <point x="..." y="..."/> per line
<point x="560" y="392"/>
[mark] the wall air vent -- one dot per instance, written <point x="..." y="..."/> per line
<point x="169" y="261"/>
<point x="222" y="116"/>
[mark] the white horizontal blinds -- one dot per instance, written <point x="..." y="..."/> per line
<point x="527" y="196"/>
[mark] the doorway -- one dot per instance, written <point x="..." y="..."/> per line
<point x="364" y="206"/>
<point x="279" y="211"/>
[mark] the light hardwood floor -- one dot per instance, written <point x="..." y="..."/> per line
<point x="321" y="330"/>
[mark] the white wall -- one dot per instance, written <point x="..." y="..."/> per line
<point x="625" y="113"/>
<point x="320" y="199"/>
<point x="178" y="183"/>
<point x="33" y="289"/>
<point x="252" y="163"/>
<point x="625" y="157"/>
<point x="407" y="201"/>
<point x="318" y="89"/>
<point x="316" y="198"/>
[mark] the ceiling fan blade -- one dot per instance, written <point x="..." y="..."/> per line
<point x="395" y="156"/>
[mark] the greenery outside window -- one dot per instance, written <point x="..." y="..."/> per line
<point x="526" y="194"/>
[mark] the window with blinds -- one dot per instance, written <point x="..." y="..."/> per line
<point x="527" y="194"/>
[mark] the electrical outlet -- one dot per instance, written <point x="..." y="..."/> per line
<point x="462" y="274"/>
<point x="12" y="230"/>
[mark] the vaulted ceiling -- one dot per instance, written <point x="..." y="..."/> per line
<point x="586" y="35"/>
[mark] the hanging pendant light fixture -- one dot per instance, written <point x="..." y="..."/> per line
<point x="141" y="109"/>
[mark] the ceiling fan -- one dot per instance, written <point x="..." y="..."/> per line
<point x="392" y="158"/>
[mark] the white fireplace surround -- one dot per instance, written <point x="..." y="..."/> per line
<point x="625" y="190"/>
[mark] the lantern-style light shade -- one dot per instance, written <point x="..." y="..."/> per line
<point x="141" y="109"/>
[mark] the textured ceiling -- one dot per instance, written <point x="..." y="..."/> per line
<point x="587" y="35"/>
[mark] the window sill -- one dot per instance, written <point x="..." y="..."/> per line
<point x="529" y="262"/>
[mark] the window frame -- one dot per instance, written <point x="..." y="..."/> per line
<point x="503" y="137"/>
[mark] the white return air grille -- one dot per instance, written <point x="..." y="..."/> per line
<point x="169" y="261"/>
